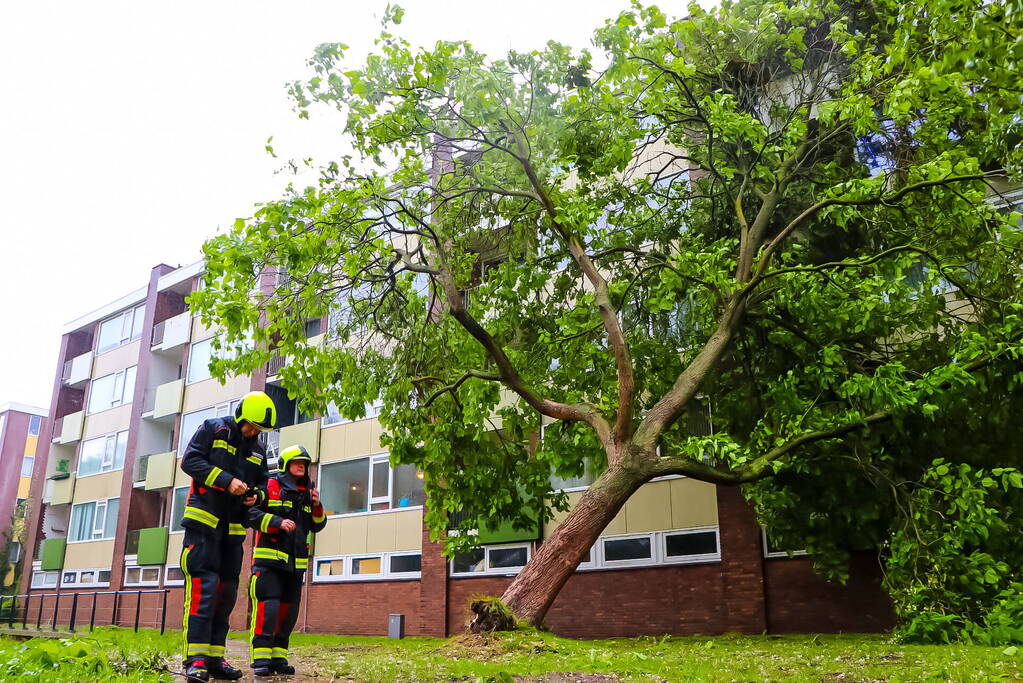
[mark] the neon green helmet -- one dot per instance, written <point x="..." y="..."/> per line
<point x="291" y="454"/>
<point x="257" y="409"/>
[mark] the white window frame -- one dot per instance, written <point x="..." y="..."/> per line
<point x="172" y="582"/>
<point x="96" y="527"/>
<point x="370" y="500"/>
<point x="385" y="564"/>
<point x="35" y="424"/>
<point x="218" y="409"/>
<point x="776" y="554"/>
<point x="373" y="409"/>
<point x="170" y="519"/>
<point x="500" y="571"/>
<point x="627" y="563"/>
<point x="230" y="353"/>
<point x="127" y="318"/>
<point x="41" y="575"/>
<point x="76" y="583"/>
<point x="115" y="400"/>
<point x="29" y="460"/>
<point x="109" y="454"/>
<point x="133" y="564"/>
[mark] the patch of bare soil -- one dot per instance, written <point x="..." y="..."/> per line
<point x="569" y="678"/>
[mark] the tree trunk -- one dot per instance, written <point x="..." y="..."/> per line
<point x="534" y="589"/>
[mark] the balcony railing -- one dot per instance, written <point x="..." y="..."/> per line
<point x="131" y="542"/>
<point x="65" y="374"/>
<point x="158" y="330"/>
<point x="141" y="469"/>
<point x="274" y="365"/>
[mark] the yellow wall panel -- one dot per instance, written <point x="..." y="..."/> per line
<point x="106" y="422"/>
<point x="328" y="541"/>
<point x="381" y="532"/>
<point x="89" y="554"/>
<point x="332" y="443"/>
<point x="24" y="484"/>
<point x="649" y="508"/>
<point x="174" y="542"/>
<point x="693" y="503"/>
<point x="353" y="535"/>
<point x="408" y="533"/>
<point x="210" y="392"/>
<point x="116" y="359"/>
<point x="31" y="443"/>
<point x="97" y="486"/>
<point x="200" y="331"/>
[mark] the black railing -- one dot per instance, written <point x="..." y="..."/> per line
<point x="12" y="611"/>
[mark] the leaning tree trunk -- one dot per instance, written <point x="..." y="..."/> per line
<point x="534" y="589"/>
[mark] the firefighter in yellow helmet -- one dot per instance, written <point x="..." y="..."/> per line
<point x="228" y="468"/>
<point x="280" y="557"/>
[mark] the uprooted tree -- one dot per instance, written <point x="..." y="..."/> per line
<point x="552" y="261"/>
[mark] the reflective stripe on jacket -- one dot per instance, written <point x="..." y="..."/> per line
<point x="276" y="548"/>
<point x="216" y="454"/>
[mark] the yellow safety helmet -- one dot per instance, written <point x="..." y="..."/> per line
<point x="257" y="409"/>
<point x="292" y="453"/>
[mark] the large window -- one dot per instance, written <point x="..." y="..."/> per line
<point x="112" y="390"/>
<point x="104" y="454"/>
<point x="44" y="579"/>
<point x="201" y="354"/>
<point x="369" y="485"/>
<point x="368" y="567"/>
<point x="178" y="508"/>
<point x="94" y="521"/>
<point x="135" y="575"/>
<point x="89" y="578"/>
<point x="191" y="421"/>
<point x="34" y="423"/>
<point x="122" y="328"/>
<point x="676" y="546"/>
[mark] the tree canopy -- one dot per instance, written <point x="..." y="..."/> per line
<point x="760" y="244"/>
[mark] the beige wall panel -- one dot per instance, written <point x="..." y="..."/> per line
<point x="180" y="478"/>
<point x="328" y="541"/>
<point x="693" y="503"/>
<point x="376" y="431"/>
<point x="210" y="392"/>
<point x="169" y="397"/>
<point x="649" y="508"/>
<point x="116" y="359"/>
<point x="381" y="533"/>
<point x="62" y="491"/>
<point x="332" y="443"/>
<point x="559" y="516"/>
<point x="71" y="427"/>
<point x="305" y="434"/>
<point x="97" y="486"/>
<point x="353" y="535"/>
<point x="408" y="534"/>
<point x="89" y="555"/>
<point x="113" y="420"/>
<point x="200" y="331"/>
<point x="174" y="543"/>
<point x="617" y="525"/>
<point x="359" y="439"/>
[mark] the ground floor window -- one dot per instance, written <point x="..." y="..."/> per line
<point x="491" y="559"/>
<point x="673" y="546"/>
<point x="44" y="579"/>
<point x="772" y="548"/>
<point x="135" y="575"/>
<point x="85" y="578"/>
<point x="368" y="567"/>
<point x="174" y="576"/>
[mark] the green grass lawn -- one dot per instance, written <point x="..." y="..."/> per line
<point x="118" y="654"/>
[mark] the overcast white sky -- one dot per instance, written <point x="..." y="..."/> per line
<point x="130" y="131"/>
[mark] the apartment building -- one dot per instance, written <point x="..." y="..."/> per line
<point x="20" y="426"/>
<point x="132" y="384"/>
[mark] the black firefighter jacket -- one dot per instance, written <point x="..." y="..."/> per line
<point x="217" y="454"/>
<point x="285" y="498"/>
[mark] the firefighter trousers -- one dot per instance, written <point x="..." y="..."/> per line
<point x="211" y="564"/>
<point x="275" y="596"/>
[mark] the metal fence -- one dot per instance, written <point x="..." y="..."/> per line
<point x="35" y="608"/>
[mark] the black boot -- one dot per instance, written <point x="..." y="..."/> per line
<point x="222" y="671"/>
<point x="280" y="666"/>
<point x="261" y="667"/>
<point x="196" y="670"/>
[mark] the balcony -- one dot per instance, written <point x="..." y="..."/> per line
<point x="139" y="471"/>
<point x="63" y="490"/>
<point x="151" y="546"/>
<point x="160" y="469"/>
<point x="77" y="371"/>
<point x="172" y="333"/>
<point x="51" y="553"/>
<point x="70" y="428"/>
<point x="168" y="398"/>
